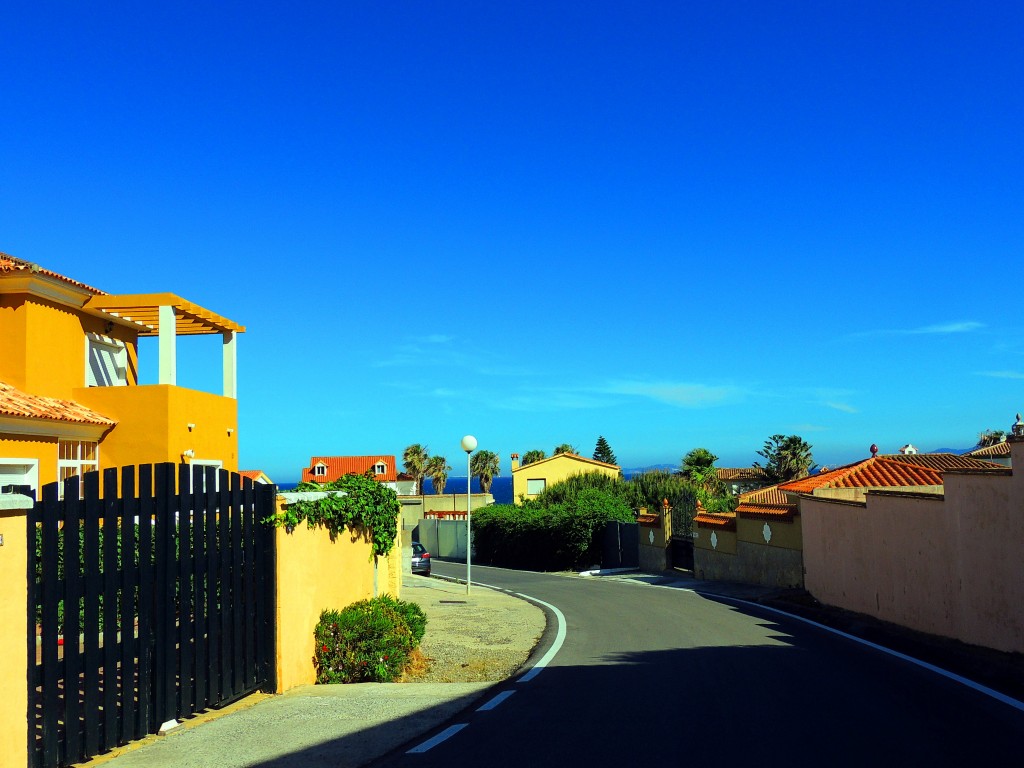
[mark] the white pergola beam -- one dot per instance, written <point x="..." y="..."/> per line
<point x="168" y="341"/>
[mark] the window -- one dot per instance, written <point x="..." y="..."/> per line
<point x="380" y="468"/>
<point x="199" y="478"/>
<point x="106" y="363"/>
<point x="533" y="487"/>
<point x="76" y="457"/>
<point x="320" y="470"/>
<point x="19" y="472"/>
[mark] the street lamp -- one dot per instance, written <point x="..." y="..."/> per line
<point x="468" y="445"/>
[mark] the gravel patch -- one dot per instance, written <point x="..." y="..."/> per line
<point x="485" y="636"/>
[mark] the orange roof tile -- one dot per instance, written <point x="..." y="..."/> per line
<point x="947" y="461"/>
<point x="1001" y="450"/>
<point x="751" y="474"/>
<point x="769" y="495"/>
<point x="715" y="520"/>
<point x="10" y="264"/>
<point x="874" y="472"/>
<point x="338" y="466"/>
<point x="14" y="402"/>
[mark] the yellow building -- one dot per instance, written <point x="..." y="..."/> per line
<point x="70" y="398"/>
<point x="529" y="480"/>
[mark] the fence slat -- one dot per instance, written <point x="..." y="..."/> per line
<point x="199" y="597"/>
<point x="110" y="602"/>
<point x="227" y="685"/>
<point x="129" y="585"/>
<point x="91" y="626"/>
<point x="248" y="577"/>
<point x="186" y="625"/>
<point x="72" y="532"/>
<point x="239" y="619"/>
<point x="214" y="627"/>
<point x="50" y="598"/>
<point x="147" y="572"/>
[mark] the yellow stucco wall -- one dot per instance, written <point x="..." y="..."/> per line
<point x="553" y="470"/>
<point x="43" y="449"/>
<point x="314" y="574"/>
<point x="784" y="534"/>
<point x="725" y="541"/>
<point x="152" y="424"/>
<point x="13" y="631"/>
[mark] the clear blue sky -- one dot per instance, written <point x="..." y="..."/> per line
<point x="672" y="224"/>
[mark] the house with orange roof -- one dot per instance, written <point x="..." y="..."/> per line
<point x="529" y="480"/>
<point x="762" y="541"/>
<point x="737" y="480"/>
<point x="70" y="396"/>
<point x="327" y="469"/>
<point x="998" y="453"/>
<point x="257" y="476"/>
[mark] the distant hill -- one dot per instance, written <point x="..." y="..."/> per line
<point x="649" y="468"/>
<point x="957" y="451"/>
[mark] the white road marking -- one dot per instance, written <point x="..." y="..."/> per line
<point x="429" y="744"/>
<point x="495" y="701"/>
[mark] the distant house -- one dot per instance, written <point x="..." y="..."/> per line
<point x="742" y="479"/>
<point x="256" y="475"/>
<point x="762" y="541"/>
<point x="327" y="469"/>
<point x="70" y="397"/>
<point x="530" y="480"/>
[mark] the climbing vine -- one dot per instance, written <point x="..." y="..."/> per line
<point x="357" y="502"/>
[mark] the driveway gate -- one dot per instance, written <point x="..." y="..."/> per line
<point x="621" y="545"/>
<point x="151" y="601"/>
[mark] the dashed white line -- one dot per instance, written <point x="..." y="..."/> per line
<point x="444" y="735"/>
<point x="495" y="701"/>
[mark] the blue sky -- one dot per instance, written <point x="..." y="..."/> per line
<point x="671" y="224"/>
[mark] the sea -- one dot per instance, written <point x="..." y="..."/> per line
<point x="501" y="487"/>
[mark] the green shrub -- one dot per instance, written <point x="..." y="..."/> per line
<point x="368" y="641"/>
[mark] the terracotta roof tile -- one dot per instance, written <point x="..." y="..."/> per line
<point x="947" y="461"/>
<point x="715" y="520"/>
<point x="875" y="472"/>
<point x="337" y="466"/>
<point x="9" y="264"/>
<point x="750" y="474"/>
<point x="769" y="495"/>
<point x="1002" y="450"/>
<point x="14" y="402"/>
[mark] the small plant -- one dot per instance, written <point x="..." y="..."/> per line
<point x="368" y="641"/>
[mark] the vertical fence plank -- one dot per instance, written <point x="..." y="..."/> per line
<point x="164" y="629"/>
<point x="214" y="589"/>
<point x="249" y="591"/>
<point x="239" y="619"/>
<point x="147" y="509"/>
<point x="50" y="598"/>
<point x="91" y="611"/>
<point x="224" y="536"/>
<point x="186" y="625"/>
<point x="129" y="586"/>
<point x="72" y="621"/>
<point x="110" y="603"/>
<point x="199" y="596"/>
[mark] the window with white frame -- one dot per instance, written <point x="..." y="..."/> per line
<point x="199" y="484"/>
<point x="533" y="487"/>
<point x="380" y="468"/>
<point x="320" y="470"/>
<point x="19" y="472"/>
<point x="76" y="457"/>
<point x="106" y="361"/>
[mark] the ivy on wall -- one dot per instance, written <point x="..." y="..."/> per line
<point x="356" y="502"/>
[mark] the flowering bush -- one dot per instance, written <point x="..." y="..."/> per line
<point x="368" y="641"/>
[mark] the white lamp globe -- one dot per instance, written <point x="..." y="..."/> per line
<point x="469" y="443"/>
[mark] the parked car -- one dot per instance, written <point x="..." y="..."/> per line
<point x="420" y="559"/>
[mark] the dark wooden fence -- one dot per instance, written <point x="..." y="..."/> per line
<point x="621" y="545"/>
<point x="152" y="600"/>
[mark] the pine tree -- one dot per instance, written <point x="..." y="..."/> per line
<point x="603" y="451"/>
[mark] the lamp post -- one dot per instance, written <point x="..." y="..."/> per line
<point x="468" y="445"/>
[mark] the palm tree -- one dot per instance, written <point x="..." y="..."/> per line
<point x="789" y="457"/>
<point x="531" y="456"/>
<point x="437" y="469"/>
<point x="566" y="448"/>
<point x="414" y="460"/>
<point x="485" y="465"/>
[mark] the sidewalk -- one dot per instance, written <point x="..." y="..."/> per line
<point x="321" y="726"/>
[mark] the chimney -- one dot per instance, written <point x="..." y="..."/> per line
<point x="515" y="461"/>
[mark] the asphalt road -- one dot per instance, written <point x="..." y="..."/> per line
<point x="652" y="676"/>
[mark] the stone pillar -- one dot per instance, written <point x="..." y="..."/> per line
<point x="655" y="539"/>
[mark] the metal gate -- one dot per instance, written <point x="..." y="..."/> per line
<point x="621" y="545"/>
<point x="152" y="600"/>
